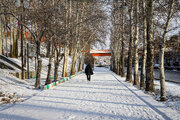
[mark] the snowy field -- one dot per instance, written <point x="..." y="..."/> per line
<point x="106" y="97"/>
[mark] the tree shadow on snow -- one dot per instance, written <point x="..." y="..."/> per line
<point x="73" y="111"/>
<point x="14" y="117"/>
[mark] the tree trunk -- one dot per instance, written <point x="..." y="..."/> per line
<point x="48" y="79"/>
<point x="38" y="74"/>
<point x="79" y="65"/>
<point x="118" y="66"/>
<point x="22" y="44"/>
<point x="56" y="71"/>
<point x="111" y="60"/>
<point x="122" y="49"/>
<point x="123" y="62"/>
<point x="82" y="61"/>
<point x="74" y="61"/>
<point x="6" y="37"/>
<point x="150" y="48"/>
<point x="162" y="75"/>
<point x="114" y="65"/>
<point x="3" y="38"/>
<point x="48" y="49"/>
<point x="129" y="68"/>
<point x="66" y="46"/>
<point x="143" y="64"/>
<point x="57" y="64"/>
<point x="16" y="37"/>
<point x="0" y="36"/>
<point x="22" y="52"/>
<point x="11" y="37"/>
<point x="65" y="65"/>
<point x="162" y="48"/>
<point x="136" y="59"/>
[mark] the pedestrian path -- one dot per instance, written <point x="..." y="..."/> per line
<point x="105" y="97"/>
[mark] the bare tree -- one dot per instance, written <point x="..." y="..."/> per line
<point x="162" y="48"/>
<point x="129" y="68"/>
<point x="143" y="64"/>
<point x="150" y="47"/>
<point x="136" y="59"/>
<point x="122" y="42"/>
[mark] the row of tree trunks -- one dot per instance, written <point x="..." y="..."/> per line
<point x="150" y="48"/>
<point x="27" y="17"/>
<point x="6" y="32"/>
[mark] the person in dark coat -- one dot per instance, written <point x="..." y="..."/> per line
<point x="89" y="71"/>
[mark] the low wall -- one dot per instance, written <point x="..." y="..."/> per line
<point x="46" y="87"/>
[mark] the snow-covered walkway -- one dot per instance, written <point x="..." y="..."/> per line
<point x="105" y="97"/>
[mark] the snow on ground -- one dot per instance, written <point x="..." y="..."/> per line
<point x="105" y="97"/>
<point x="13" y="89"/>
<point x="13" y="67"/>
<point x="173" y="95"/>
